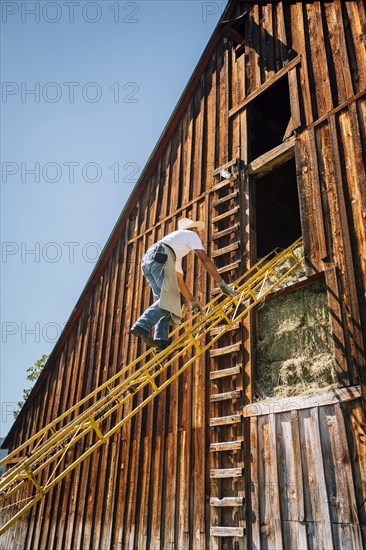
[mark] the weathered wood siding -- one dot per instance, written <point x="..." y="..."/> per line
<point x="307" y="472"/>
<point x="147" y="487"/>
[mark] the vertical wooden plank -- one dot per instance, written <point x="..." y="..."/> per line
<point x="318" y="218"/>
<point x="126" y="350"/>
<point x="338" y="475"/>
<point x="183" y="491"/>
<point x="337" y="44"/>
<point x="299" y="46"/>
<point x="355" y="425"/>
<point x="155" y="503"/>
<point x="316" y="495"/>
<point x="354" y="176"/>
<point x="255" y="513"/>
<point x="255" y="62"/>
<point x="294" y="99"/>
<point x="224" y="85"/>
<point x="290" y="481"/>
<point x="356" y="342"/>
<point x="280" y="35"/>
<point x="187" y="155"/>
<point x="274" y="536"/>
<point x="299" y="482"/>
<point x="319" y="58"/>
<point x="267" y="41"/>
<point x="337" y="323"/>
<point x="69" y="527"/>
<point x="355" y="36"/>
<point x="304" y="186"/>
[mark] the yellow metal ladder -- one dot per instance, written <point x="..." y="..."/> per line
<point x="40" y="466"/>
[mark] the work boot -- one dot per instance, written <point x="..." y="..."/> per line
<point x="161" y="344"/>
<point x="144" y="335"/>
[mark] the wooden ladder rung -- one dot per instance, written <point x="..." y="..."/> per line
<point x="219" y="328"/>
<point x="217" y="202"/>
<point x="224" y="232"/>
<point x="227" y="349"/>
<point x="226" y="501"/>
<point x="227" y="531"/>
<point x="225" y="250"/>
<point x="223" y="183"/>
<point x="235" y="394"/>
<point x="229" y="267"/>
<point x="225" y="166"/>
<point x="226" y="472"/>
<point x="231" y="212"/>
<point x="226" y="446"/>
<point x="225" y="420"/>
<point x="231" y="371"/>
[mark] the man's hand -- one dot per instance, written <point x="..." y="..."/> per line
<point x="226" y="289"/>
<point x="195" y="306"/>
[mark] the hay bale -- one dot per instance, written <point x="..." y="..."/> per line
<point x="295" y="353"/>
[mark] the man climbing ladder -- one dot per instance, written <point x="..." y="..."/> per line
<point x="162" y="267"/>
<point x="40" y="464"/>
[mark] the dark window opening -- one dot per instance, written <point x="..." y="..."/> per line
<point x="269" y="118"/>
<point x="277" y="209"/>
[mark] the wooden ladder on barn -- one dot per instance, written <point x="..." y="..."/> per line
<point x="51" y="454"/>
<point x="227" y="487"/>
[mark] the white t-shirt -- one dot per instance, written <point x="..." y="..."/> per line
<point x="182" y="241"/>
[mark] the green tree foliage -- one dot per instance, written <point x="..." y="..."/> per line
<point x="34" y="371"/>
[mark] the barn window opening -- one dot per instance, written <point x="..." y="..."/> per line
<point x="277" y="208"/>
<point x="269" y="117"/>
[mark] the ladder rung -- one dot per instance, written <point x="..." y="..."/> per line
<point x="224" y="420"/>
<point x="225" y="372"/>
<point x="225" y="215"/>
<point x="226" y="446"/>
<point x="219" y="328"/>
<point x="226" y="349"/>
<point x="227" y="501"/>
<point x="235" y="394"/>
<point x="217" y="202"/>
<point x="226" y="472"/>
<point x="224" y="232"/>
<point x="223" y="183"/>
<point x="225" y="250"/>
<point x="227" y="531"/>
<point x="225" y="166"/>
<point x="229" y="267"/>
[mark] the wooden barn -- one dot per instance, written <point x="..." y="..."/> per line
<point x="260" y="443"/>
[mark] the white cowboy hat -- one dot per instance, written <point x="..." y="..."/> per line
<point x="185" y="223"/>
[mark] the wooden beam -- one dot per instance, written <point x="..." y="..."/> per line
<point x="226" y="472"/>
<point x="273" y="158"/>
<point x="225" y="420"/>
<point x="225" y="166"/>
<point x="337" y="109"/>
<point x="226" y="446"/>
<point x="235" y="394"/>
<point x="227" y="501"/>
<point x="227" y="349"/>
<point x="231" y="371"/>
<point x="282" y="405"/>
<point x="227" y="531"/>
<point x="234" y="34"/>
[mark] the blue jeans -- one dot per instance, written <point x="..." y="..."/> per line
<point x="154" y="316"/>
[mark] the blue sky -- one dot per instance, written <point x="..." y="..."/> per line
<point x="105" y="80"/>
